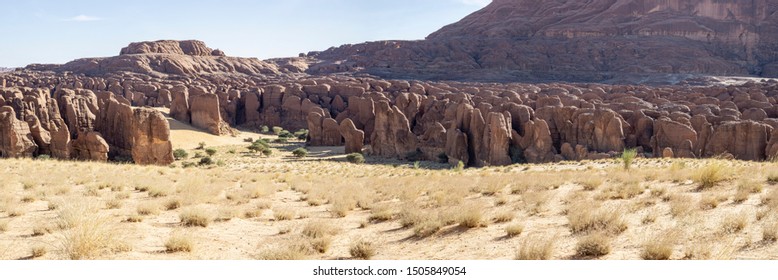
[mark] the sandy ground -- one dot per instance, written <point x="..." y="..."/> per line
<point x="313" y="189"/>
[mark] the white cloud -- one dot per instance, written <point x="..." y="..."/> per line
<point x="481" y="3"/>
<point x="82" y="18"/>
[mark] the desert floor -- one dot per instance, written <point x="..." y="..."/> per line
<point x="250" y="206"/>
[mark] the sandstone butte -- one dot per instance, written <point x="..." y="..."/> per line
<point x="570" y="86"/>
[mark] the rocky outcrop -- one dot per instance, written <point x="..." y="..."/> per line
<point x="89" y="146"/>
<point x="15" y="136"/>
<point x="190" y="47"/>
<point x="392" y="136"/>
<point x="353" y="137"/>
<point x="205" y="113"/>
<point x="151" y="137"/>
<point x="746" y="140"/>
<point x="323" y="131"/>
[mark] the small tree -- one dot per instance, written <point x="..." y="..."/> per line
<point x="210" y="151"/>
<point x="300" y="152"/>
<point x="201" y="145"/>
<point x="180" y="154"/>
<point x="627" y="157"/>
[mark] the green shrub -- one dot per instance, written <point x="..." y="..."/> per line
<point x="301" y="134"/>
<point x="627" y="157"/>
<point x="277" y="130"/>
<point x="180" y="154"/>
<point x="459" y="167"/>
<point x="355" y="158"/>
<point x="300" y="152"/>
<point x="43" y="157"/>
<point x="201" y="145"/>
<point x="206" y="161"/>
<point x="210" y="151"/>
<point x="264" y="129"/>
<point x="280" y="140"/>
<point x="285" y="134"/>
<point x="187" y="164"/>
<point x="248" y="140"/>
<point x="267" y="152"/>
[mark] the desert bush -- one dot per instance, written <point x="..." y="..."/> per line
<point x="180" y="154"/>
<point x="627" y="157"/>
<point x="300" y="152"/>
<point x="593" y="245"/>
<point x="361" y="249"/>
<point x="301" y="134"/>
<point x="206" y="161"/>
<point x="264" y="129"/>
<point x="195" y="217"/>
<point x="210" y="151"/>
<point x="709" y="202"/>
<point x="536" y="247"/>
<point x="470" y="217"/>
<point x="772" y="178"/>
<point x="201" y="146"/>
<point x="355" y="158"/>
<point x="277" y="130"/>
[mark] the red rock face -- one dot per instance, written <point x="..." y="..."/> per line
<point x="598" y="40"/>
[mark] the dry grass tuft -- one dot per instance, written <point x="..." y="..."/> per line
<point x="318" y="229"/>
<point x="283" y="214"/>
<point x="148" y="208"/>
<point x="38" y="251"/>
<point x="196" y="217"/>
<point x="363" y="250"/>
<point x="470" y="217"/>
<point x="87" y="234"/>
<point x="514" y="230"/>
<point x="3" y="225"/>
<point x="709" y="202"/>
<point x="710" y="175"/>
<point x="504" y="216"/>
<point x="770" y="233"/>
<point x="584" y="218"/>
<point x="681" y="205"/>
<point x="536" y="247"/>
<point x="660" y="248"/>
<point x="381" y="214"/>
<point x="591" y="183"/>
<point x="626" y="190"/>
<point x="593" y="245"/>
<point x="179" y="242"/>
<point x="734" y="223"/>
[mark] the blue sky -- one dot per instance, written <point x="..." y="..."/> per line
<point x="57" y="31"/>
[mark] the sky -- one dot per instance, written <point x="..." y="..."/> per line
<point x="58" y="31"/>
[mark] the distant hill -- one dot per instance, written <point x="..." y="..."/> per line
<point x="595" y="40"/>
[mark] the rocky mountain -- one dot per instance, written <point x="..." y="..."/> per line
<point x="6" y="69"/>
<point x="594" y="40"/>
<point x="167" y="57"/>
